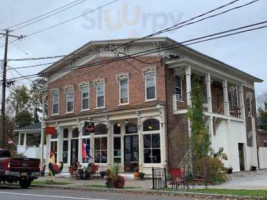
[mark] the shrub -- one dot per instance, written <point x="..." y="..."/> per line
<point x="119" y="182"/>
<point x="210" y="168"/>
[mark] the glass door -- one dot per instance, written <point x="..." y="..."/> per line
<point x="131" y="153"/>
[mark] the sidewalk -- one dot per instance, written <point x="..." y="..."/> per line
<point x="98" y="182"/>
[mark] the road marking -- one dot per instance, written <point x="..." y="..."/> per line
<point x="51" y="196"/>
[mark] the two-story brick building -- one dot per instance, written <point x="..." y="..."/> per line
<point x="139" y="105"/>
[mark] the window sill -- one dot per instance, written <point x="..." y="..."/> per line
<point x="85" y="110"/>
<point x="69" y="112"/>
<point x="149" y="100"/>
<point x="124" y="104"/>
<point x="56" y="114"/>
<point x="98" y="108"/>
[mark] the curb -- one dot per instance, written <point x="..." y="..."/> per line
<point x="150" y="192"/>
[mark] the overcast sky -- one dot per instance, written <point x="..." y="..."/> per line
<point x="136" y="18"/>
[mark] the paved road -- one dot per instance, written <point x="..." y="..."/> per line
<point x="15" y="193"/>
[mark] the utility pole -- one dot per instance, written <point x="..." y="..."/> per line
<point x="7" y="35"/>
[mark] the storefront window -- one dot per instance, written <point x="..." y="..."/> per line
<point x="65" y="151"/>
<point x="117" y="128"/>
<point x="100" y="150"/>
<point x="86" y="150"/>
<point x="131" y="128"/>
<point x="75" y="133"/>
<point x="54" y="149"/>
<point x="151" y="125"/>
<point x="117" y="150"/>
<point x="101" y="129"/>
<point x="152" y="148"/>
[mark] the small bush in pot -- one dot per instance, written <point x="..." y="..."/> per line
<point x="119" y="182"/>
<point x="141" y="175"/>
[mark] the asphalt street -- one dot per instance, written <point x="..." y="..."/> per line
<point x="15" y="193"/>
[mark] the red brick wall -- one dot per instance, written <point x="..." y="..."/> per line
<point x="109" y="72"/>
<point x="177" y="125"/>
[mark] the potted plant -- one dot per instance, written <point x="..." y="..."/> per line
<point x="113" y="179"/>
<point x="136" y="174"/>
<point x="229" y="170"/>
<point x="141" y="175"/>
<point x="253" y="168"/>
<point x="102" y="174"/>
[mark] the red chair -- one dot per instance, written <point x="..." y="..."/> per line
<point x="177" y="177"/>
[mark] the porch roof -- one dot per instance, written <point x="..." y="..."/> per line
<point x="32" y="128"/>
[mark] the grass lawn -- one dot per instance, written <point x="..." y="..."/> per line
<point x="35" y="182"/>
<point x="252" y="193"/>
<point x="104" y="186"/>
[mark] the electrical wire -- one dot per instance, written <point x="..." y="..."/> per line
<point x="174" y="27"/>
<point x="155" y="50"/>
<point x="69" y="20"/>
<point x="47" y="13"/>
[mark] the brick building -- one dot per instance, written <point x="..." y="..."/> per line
<point x="139" y="105"/>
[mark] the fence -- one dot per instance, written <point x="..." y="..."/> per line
<point x="159" y="178"/>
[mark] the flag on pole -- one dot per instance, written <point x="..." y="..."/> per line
<point x="86" y="151"/>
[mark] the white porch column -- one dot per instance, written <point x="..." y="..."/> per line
<point x="140" y="138"/>
<point x="59" y="144"/>
<point x="163" y="144"/>
<point x="80" y="128"/>
<point x="25" y="138"/>
<point x="209" y="95"/>
<point x="188" y="74"/>
<point x="42" y="133"/>
<point x="109" y="153"/>
<point x="242" y="103"/>
<point x="225" y="97"/>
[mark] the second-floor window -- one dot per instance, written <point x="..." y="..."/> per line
<point x="150" y="79"/>
<point x="55" y="102"/>
<point x="100" y="95"/>
<point x="69" y="100"/>
<point x="124" y="91"/>
<point x="85" y="97"/>
<point x="178" y="88"/>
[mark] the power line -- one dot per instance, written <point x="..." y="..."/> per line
<point x="91" y="11"/>
<point x="41" y="19"/>
<point x="57" y="10"/>
<point x="174" y="27"/>
<point x="202" y="39"/>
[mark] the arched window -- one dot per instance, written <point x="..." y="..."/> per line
<point x="75" y="133"/>
<point x="101" y="129"/>
<point x="151" y="125"/>
<point x="131" y="127"/>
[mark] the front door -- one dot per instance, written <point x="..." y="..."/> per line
<point x="131" y="153"/>
<point x="74" y="152"/>
<point x="241" y="156"/>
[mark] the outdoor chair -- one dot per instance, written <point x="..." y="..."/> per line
<point x="177" y="177"/>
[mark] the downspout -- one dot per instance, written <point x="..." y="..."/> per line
<point x="166" y="115"/>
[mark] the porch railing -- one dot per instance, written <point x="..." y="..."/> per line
<point x="159" y="178"/>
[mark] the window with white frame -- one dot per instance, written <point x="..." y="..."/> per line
<point x="69" y="100"/>
<point x="22" y="137"/>
<point x="100" y="143"/>
<point x="65" y="145"/>
<point x="124" y="91"/>
<point x="55" y="102"/>
<point x="249" y="104"/>
<point x="53" y="148"/>
<point x="85" y="97"/>
<point x="178" y="88"/>
<point x="100" y="94"/>
<point x="150" y="81"/>
<point x="151" y="137"/>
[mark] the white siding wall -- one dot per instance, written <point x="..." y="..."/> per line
<point x="262" y="157"/>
